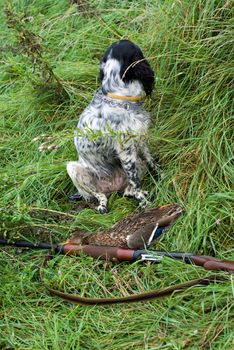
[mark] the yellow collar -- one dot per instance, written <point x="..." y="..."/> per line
<point x="125" y="98"/>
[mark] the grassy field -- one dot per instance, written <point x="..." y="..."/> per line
<point x="50" y="52"/>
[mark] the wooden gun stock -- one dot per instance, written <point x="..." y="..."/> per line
<point x="213" y="264"/>
<point x="122" y="254"/>
<point x="101" y="252"/>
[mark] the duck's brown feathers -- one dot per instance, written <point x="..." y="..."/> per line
<point x="135" y="228"/>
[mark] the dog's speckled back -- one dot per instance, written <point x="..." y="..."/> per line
<point x="110" y="137"/>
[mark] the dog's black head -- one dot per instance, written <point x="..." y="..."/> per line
<point x="128" y="54"/>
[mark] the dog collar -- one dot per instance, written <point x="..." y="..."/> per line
<point x="125" y="98"/>
<point x="122" y="104"/>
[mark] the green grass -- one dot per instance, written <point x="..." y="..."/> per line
<point x="190" y="47"/>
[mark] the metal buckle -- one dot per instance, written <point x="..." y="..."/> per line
<point x="150" y="257"/>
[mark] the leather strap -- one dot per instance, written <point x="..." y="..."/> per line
<point x="154" y="294"/>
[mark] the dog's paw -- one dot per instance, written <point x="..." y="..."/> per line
<point x="129" y="192"/>
<point x="143" y="203"/>
<point x="102" y="209"/>
<point x="140" y="196"/>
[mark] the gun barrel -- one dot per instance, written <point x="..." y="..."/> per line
<point x="25" y="244"/>
<point x="122" y="254"/>
<point x="207" y="262"/>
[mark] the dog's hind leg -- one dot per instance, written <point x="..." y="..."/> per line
<point x="128" y="156"/>
<point x="79" y="176"/>
<point x="149" y="159"/>
<point x="87" y="184"/>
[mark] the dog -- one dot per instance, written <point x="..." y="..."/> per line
<point x="111" y="132"/>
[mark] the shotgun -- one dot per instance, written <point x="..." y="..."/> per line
<point x="130" y="255"/>
<point x="117" y="254"/>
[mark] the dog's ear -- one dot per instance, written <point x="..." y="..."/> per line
<point x="101" y="74"/>
<point x="140" y="70"/>
<point x="103" y="63"/>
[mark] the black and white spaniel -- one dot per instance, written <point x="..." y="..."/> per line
<point x="111" y="132"/>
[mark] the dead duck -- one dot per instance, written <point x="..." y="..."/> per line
<point x="136" y="231"/>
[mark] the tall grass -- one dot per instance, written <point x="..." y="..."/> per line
<point x="190" y="47"/>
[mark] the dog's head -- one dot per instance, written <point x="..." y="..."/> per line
<point x="133" y="65"/>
